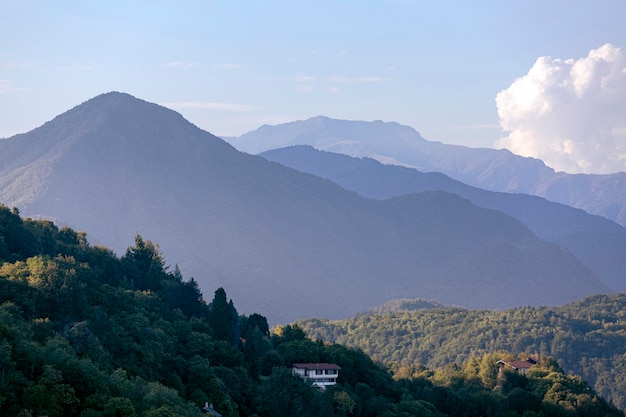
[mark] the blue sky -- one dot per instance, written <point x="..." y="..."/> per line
<point x="231" y="66"/>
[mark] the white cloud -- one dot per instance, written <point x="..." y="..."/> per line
<point x="304" y="83"/>
<point x="339" y="79"/>
<point x="181" y="64"/>
<point x="479" y="126"/>
<point x="619" y="131"/>
<point x="7" y="64"/>
<point x="303" y="88"/>
<point x="5" y="86"/>
<point x="567" y="112"/>
<point x="307" y="83"/>
<point x="76" y="68"/>
<point x="305" y="79"/>
<point x="210" y="105"/>
<point x="228" y="67"/>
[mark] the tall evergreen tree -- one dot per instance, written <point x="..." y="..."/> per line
<point x="220" y="316"/>
<point x="144" y="264"/>
<point x="256" y="321"/>
<point x="234" y="324"/>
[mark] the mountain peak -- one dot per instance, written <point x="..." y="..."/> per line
<point x="329" y="134"/>
<point x="98" y="111"/>
<point x="112" y="133"/>
<point x="122" y="105"/>
<point x="112" y="95"/>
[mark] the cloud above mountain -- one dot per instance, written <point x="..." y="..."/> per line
<point x="210" y="105"/>
<point x="308" y="83"/>
<point x="569" y="113"/>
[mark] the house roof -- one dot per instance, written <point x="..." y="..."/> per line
<point x="316" y="366"/>
<point x="519" y="364"/>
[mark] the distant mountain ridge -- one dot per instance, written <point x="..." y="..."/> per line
<point x="597" y="241"/>
<point x="287" y="243"/>
<point x="490" y="169"/>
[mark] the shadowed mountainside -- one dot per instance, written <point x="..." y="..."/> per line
<point x="595" y="240"/>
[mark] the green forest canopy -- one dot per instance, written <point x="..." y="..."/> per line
<point x="86" y="333"/>
<point x="587" y="337"/>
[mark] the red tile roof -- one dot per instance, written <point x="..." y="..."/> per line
<point x="521" y="364"/>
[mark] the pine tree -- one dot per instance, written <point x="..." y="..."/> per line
<point x="220" y="316"/>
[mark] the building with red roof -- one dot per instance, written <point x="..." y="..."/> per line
<point x="520" y="366"/>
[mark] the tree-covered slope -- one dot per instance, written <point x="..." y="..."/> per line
<point x="587" y="337"/>
<point x="86" y="333"/>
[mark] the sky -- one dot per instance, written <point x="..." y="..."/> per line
<point x="542" y="78"/>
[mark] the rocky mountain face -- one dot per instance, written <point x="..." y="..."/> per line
<point x="279" y="241"/>
<point x="490" y="169"/>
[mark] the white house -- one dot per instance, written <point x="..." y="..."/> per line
<point x="320" y="374"/>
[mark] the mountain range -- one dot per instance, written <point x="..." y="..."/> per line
<point x="598" y="242"/>
<point x="489" y="169"/>
<point x="280" y="241"/>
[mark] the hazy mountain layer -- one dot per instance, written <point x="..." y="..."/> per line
<point x="496" y="170"/>
<point x="279" y="241"/>
<point x="598" y="242"/>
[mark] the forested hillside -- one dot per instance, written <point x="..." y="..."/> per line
<point x="86" y="333"/>
<point x="587" y="338"/>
